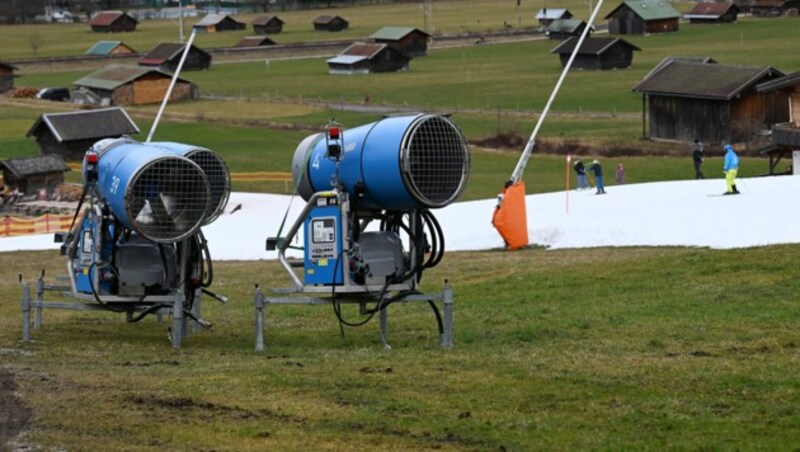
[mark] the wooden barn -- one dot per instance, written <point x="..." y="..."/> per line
<point x="31" y="174"/>
<point x="713" y="13"/>
<point x="112" y="22"/>
<point x="365" y="58"/>
<point x="255" y="41"/>
<point x="546" y="16"/>
<point x="166" y="57"/>
<point x="109" y="48"/>
<point x="411" y="41"/>
<point x="566" y="28"/>
<point x="70" y="134"/>
<point x="785" y="135"/>
<point x="597" y="53"/>
<point x="218" y="22"/>
<point x="773" y="8"/>
<point x="684" y="100"/>
<point x="268" y="24"/>
<point x="330" y="23"/>
<point x="132" y="85"/>
<point x="6" y="76"/>
<point x="640" y="17"/>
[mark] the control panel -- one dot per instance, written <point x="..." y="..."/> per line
<point x="323" y="246"/>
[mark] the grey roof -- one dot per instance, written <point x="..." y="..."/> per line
<point x="35" y="165"/>
<point x="395" y="33"/>
<point x="346" y="59"/>
<point x="565" y="25"/>
<point x="591" y="46"/>
<point x="8" y="66"/>
<point x="114" y="76"/>
<point x="705" y="81"/>
<point x="786" y="81"/>
<point x="213" y="19"/>
<point x="552" y="13"/>
<point x="85" y="124"/>
<point x="690" y="59"/>
<point x="649" y="9"/>
<point x="366" y="49"/>
<point x="264" y="20"/>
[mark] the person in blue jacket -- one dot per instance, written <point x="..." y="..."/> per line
<point x="598" y="176"/>
<point x="731" y="167"/>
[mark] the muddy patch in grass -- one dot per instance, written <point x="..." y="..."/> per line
<point x="14" y="413"/>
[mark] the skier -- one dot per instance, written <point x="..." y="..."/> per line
<point x="697" y="158"/>
<point x="598" y="176"/>
<point x="583" y="184"/>
<point x="620" y="174"/>
<point x="730" y="168"/>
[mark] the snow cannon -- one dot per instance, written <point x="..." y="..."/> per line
<point x="151" y="190"/>
<point x="399" y="163"/>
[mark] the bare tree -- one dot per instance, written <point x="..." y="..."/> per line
<point x="35" y="40"/>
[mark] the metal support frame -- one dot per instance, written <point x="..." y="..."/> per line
<point x="261" y="302"/>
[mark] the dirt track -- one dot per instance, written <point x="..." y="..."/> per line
<point x="14" y="414"/>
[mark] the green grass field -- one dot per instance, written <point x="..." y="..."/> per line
<point x="658" y="348"/>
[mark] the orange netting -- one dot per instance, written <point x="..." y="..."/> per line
<point x="510" y="217"/>
<point x="10" y="226"/>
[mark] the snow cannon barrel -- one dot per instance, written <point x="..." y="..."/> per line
<point x="398" y="163"/>
<point x="151" y="190"/>
<point x="215" y="169"/>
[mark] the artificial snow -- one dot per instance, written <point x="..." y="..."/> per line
<point x="679" y="213"/>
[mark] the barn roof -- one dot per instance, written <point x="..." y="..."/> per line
<point x="264" y="20"/>
<point x="255" y="41"/>
<point x="364" y="49"/>
<point x="565" y="25"/>
<point x="164" y="52"/>
<point x="104" y="47"/>
<point x="552" y="13"/>
<point x="705" y="81"/>
<point x="35" y="165"/>
<point x="591" y="46"/>
<point x="213" y="19"/>
<point x="114" y="76"/>
<point x="710" y="10"/>
<point x="85" y="124"/>
<point x="395" y="33"/>
<point x="691" y="59"/>
<point x="768" y="3"/>
<point x="107" y="18"/>
<point x="326" y="19"/>
<point x="786" y="81"/>
<point x="8" y="66"/>
<point x="649" y="9"/>
<point x="346" y="59"/>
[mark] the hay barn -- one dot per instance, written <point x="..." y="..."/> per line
<point x="70" y="134"/>
<point x="6" y="76"/>
<point x="213" y="23"/>
<point x="713" y="13"/>
<point x="113" y="22"/>
<point x="411" y="41"/>
<point x="684" y="100"/>
<point x="365" y="58"/>
<point x="597" y="53"/>
<point x="566" y="28"/>
<point x="546" y="16"/>
<point x="131" y="85"/>
<point x="166" y="57"/>
<point x="31" y="174"/>
<point x="785" y="135"/>
<point x="773" y="8"/>
<point x="330" y="23"/>
<point x="109" y="48"/>
<point x="255" y="41"/>
<point x="268" y="24"/>
<point x="640" y="17"/>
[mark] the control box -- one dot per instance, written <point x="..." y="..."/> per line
<point x="323" y="244"/>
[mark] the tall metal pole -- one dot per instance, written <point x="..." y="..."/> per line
<point x="516" y="176"/>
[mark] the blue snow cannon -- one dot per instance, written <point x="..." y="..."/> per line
<point x="399" y="163"/>
<point x="149" y="189"/>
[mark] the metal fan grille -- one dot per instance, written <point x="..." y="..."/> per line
<point x="219" y="181"/>
<point x="168" y="199"/>
<point x="435" y="161"/>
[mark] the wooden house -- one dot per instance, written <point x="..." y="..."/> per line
<point x="31" y="174"/>
<point x="785" y="135"/>
<point x="166" y="57"/>
<point x="566" y="28"/>
<point x="684" y="100"/>
<point x="70" y="134"/>
<point x="268" y="24"/>
<point x="639" y="17"/>
<point x="255" y="41"/>
<point x="773" y="8"/>
<point x="597" y="53"/>
<point x="134" y="85"/>
<point x="109" y="48"/>
<point x="112" y="22"/>
<point x="546" y="16"/>
<point x="713" y="13"/>
<point x="365" y="58"/>
<point x="330" y="23"/>
<point x="6" y="76"/>
<point x="411" y="41"/>
<point x="218" y="22"/>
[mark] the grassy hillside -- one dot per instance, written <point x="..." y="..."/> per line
<point x="585" y="349"/>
